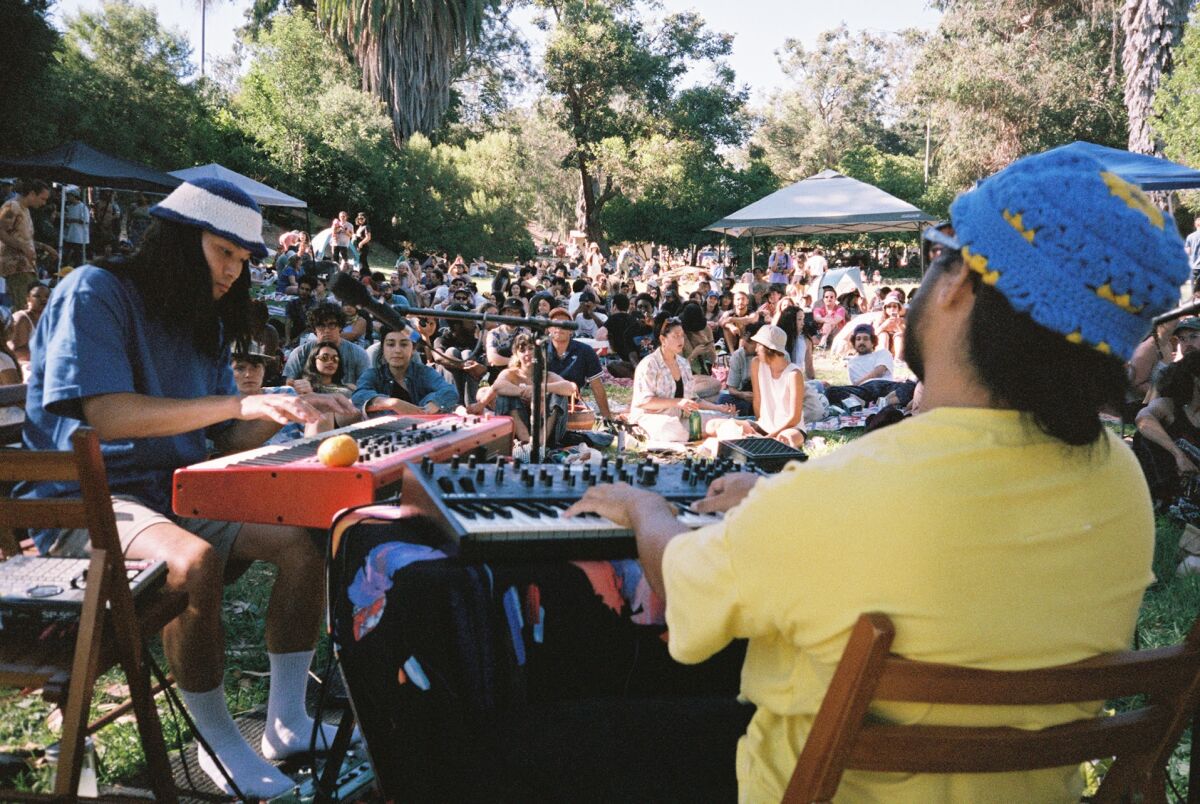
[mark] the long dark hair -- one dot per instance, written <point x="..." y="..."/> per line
<point x="310" y="366"/>
<point x="1061" y="386"/>
<point x="171" y="273"/>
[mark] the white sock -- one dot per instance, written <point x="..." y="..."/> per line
<point x="289" y="728"/>
<point x="255" y="777"/>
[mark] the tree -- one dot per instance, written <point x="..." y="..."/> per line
<point x="1152" y="28"/>
<point x="123" y="83"/>
<point x="842" y="97"/>
<point x="1002" y="79"/>
<point x="406" y="50"/>
<point x="1177" y="106"/>
<point x="27" y="41"/>
<point x="613" y="78"/>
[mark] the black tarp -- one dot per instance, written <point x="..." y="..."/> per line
<point x="79" y="163"/>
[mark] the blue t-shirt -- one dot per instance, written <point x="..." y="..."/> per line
<point x="579" y="363"/>
<point x="93" y="339"/>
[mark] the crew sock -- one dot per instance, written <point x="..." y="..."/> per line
<point x="289" y="728"/>
<point x="255" y="777"/>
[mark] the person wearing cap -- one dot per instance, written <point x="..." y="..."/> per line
<point x="890" y="326"/>
<point x="77" y="224"/>
<point x="499" y="340"/>
<point x="459" y="351"/>
<point x="18" y="246"/>
<point x="777" y="393"/>
<point x="576" y="362"/>
<point x="1173" y="414"/>
<point x="138" y="349"/>
<point x="780" y="265"/>
<point x="591" y="322"/>
<point x="1019" y="333"/>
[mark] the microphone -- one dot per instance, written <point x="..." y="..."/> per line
<point x="1191" y="308"/>
<point x="350" y="291"/>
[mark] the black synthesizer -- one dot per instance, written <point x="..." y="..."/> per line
<point x="496" y="510"/>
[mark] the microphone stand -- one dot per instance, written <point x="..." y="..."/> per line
<point x="537" y="324"/>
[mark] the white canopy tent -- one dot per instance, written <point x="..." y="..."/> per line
<point x="827" y="203"/>
<point x="264" y="195"/>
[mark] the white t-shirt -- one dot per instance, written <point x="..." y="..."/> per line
<point x="861" y="365"/>
<point x="76" y="228"/>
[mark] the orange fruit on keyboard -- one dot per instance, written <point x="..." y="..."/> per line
<point x="339" y="450"/>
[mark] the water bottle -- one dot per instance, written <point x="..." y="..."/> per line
<point x="695" y="426"/>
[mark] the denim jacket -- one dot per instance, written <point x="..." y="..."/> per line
<point x="425" y="385"/>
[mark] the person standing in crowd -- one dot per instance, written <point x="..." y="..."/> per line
<point x="779" y="265"/>
<point x="1015" y="447"/>
<point x="18" y="248"/>
<point x="362" y="241"/>
<point x="343" y="234"/>
<point x="138" y="349"/>
<point x="77" y="229"/>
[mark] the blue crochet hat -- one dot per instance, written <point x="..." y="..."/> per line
<point x="216" y="206"/>
<point x="1079" y="249"/>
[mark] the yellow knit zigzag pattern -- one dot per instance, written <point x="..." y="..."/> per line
<point x="1015" y="222"/>
<point x="1133" y="197"/>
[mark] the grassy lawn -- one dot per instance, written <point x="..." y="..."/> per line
<point x="27" y="722"/>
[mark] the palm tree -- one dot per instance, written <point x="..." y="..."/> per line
<point x="406" y="50"/>
<point x="1152" y="29"/>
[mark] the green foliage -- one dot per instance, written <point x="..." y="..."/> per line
<point x="898" y="174"/>
<point x="615" y="82"/>
<point x="842" y="97"/>
<point x="121" y="82"/>
<point x="1177" y="107"/>
<point x="27" y="41"/>
<point x="1000" y="80"/>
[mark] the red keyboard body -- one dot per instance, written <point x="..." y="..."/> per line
<point x="286" y="484"/>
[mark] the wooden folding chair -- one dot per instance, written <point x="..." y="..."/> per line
<point x="111" y="629"/>
<point x="10" y="396"/>
<point x="1140" y="741"/>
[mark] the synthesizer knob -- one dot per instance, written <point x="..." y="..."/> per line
<point x="454" y="428"/>
<point x="651" y="474"/>
<point x="479" y="474"/>
<point x="547" y="480"/>
<point x="472" y="459"/>
<point x="566" y="472"/>
<point x="604" y="462"/>
<point x="620" y="462"/>
<point x="587" y="470"/>
<point x="527" y="477"/>
<point x="454" y="462"/>
<point x="516" y="464"/>
<point x="427" y="465"/>
<point x="499" y="475"/>
<point x="590" y="479"/>
<point x="570" y="479"/>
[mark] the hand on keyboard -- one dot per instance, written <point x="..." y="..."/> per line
<point x="617" y="502"/>
<point x="725" y="492"/>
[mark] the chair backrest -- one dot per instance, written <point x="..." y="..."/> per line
<point x="11" y="396"/>
<point x="1140" y="740"/>
<point x="84" y="466"/>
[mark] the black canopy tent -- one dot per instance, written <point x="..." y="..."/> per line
<point x="77" y="162"/>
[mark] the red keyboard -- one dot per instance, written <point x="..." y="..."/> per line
<point x="286" y="484"/>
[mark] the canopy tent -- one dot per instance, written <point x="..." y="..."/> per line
<point x="827" y="203"/>
<point x="264" y="195"/>
<point x="1148" y="172"/>
<point x="79" y="163"/>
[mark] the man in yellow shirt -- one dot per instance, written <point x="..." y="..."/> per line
<point x="1007" y="529"/>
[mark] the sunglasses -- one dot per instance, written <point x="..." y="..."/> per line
<point x="334" y="358"/>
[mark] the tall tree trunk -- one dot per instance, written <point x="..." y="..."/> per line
<point x="588" y="205"/>
<point x="1152" y="29"/>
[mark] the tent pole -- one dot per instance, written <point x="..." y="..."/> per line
<point x="752" y="253"/>
<point x="921" y="247"/>
<point x="308" y="221"/>
<point x="62" y="221"/>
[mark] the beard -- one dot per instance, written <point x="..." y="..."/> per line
<point x="913" y="354"/>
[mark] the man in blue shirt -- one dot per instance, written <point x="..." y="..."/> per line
<point x="138" y="350"/>
<point x="398" y="384"/>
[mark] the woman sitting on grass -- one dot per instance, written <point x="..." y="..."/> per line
<point x="663" y="388"/>
<point x="514" y="387"/>
<point x="777" y="385"/>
